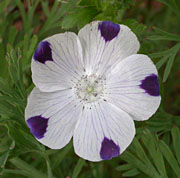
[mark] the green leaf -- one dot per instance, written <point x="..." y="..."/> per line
<point x="12" y="35"/>
<point x="163" y="35"/>
<point x="124" y="167"/>
<point x="46" y="8"/>
<point x="136" y="27"/>
<point x="160" y="63"/>
<point x="30" y="15"/>
<point x="77" y="17"/>
<point x="20" y="5"/>
<point x="32" y="46"/>
<point x="4" y="157"/>
<point x="78" y="167"/>
<point x="168" y="67"/>
<point x="29" y="48"/>
<point x="22" y="139"/>
<point x="14" y="172"/>
<point x="170" y="62"/>
<point x="60" y="155"/>
<point x="88" y="2"/>
<point x="154" y="151"/>
<point x="160" y="54"/>
<point x="9" y="109"/>
<point x="25" y="44"/>
<point x="142" y="155"/>
<point x="55" y="15"/>
<point x="172" y="5"/>
<point x="19" y="163"/>
<point x="145" y="157"/>
<point x="131" y="173"/>
<point x="176" y="142"/>
<point x="15" y="71"/>
<point x="5" y="88"/>
<point x="133" y="160"/>
<point x="170" y="158"/>
<point x="48" y="163"/>
<point x="3" y="63"/>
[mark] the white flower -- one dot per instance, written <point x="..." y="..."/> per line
<point x="91" y="87"/>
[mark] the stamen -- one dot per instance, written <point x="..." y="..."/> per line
<point x="90" y="88"/>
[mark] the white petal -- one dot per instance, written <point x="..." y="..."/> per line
<point x="133" y="86"/>
<point x="52" y="116"/>
<point x="103" y="132"/>
<point x="105" y="44"/>
<point x="57" y="62"/>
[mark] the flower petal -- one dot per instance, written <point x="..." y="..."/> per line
<point x="43" y="53"/>
<point x="105" y="44"/>
<point x="52" y="116"/>
<point x="38" y="126"/>
<point x="108" y="30"/>
<point x="103" y="132"/>
<point x="133" y="86"/>
<point x="57" y="62"/>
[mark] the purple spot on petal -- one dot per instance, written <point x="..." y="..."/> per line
<point x="43" y="52"/>
<point x="109" y="149"/>
<point x="151" y="85"/>
<point x="109" y="30"/>
<point x="38" y="126"/>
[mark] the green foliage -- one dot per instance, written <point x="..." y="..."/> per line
<point x="167" y="56"/>
<point x="88" y="10"/>
<point x="78" y="168"/>
<point x="173" y="5"/>
<point x="55" y="14"/>
<point x="77" y="17"/>
<point x="136" y="27"/>
<point x="155" y="150"/>
<point x="148" y="154"/>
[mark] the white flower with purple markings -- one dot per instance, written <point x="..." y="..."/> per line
<point x="91" y="86"/>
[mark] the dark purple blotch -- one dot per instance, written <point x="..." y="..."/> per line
<point x="43" y="53"/>
<point x="109" y="149"/>
<point x="38" y="126"/>
<point x="151" y="85"/>
<point x="109" y="30"/>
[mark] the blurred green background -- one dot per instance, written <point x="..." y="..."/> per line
<point x="154" y="153"/>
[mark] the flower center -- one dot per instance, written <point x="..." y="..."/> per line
<point x="90" y="88"/>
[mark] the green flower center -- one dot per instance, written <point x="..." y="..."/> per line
<point x="89" y="89"/>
